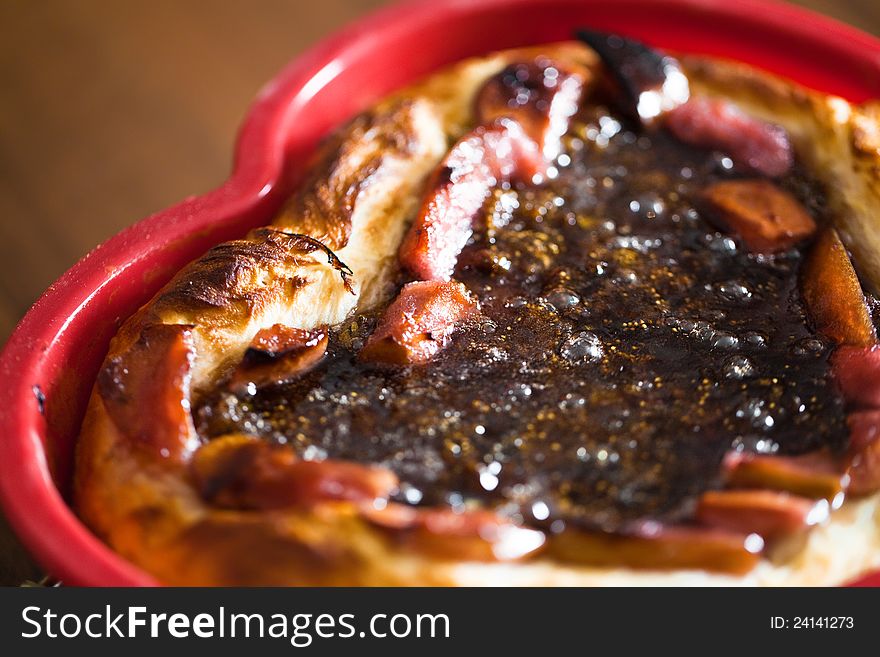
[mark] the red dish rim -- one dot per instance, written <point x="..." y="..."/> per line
<point x="764" y="33"/>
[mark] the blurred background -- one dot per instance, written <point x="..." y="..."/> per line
<point x="113" y="110"/>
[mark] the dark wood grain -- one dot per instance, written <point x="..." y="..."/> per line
<point x="112" y="110"/>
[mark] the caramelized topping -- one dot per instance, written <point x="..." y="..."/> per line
<point x="624" y="385"/>
<point x="767" y="218"/>
<point x="834" y="295"/>
<point x="623" y="347"/>
<point x="154" y="374"/>
<point x="419" y="323"/>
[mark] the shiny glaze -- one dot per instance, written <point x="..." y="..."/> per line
<point x="625" y="346"/>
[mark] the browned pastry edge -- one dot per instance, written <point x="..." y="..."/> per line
<point x="365" y="187"/>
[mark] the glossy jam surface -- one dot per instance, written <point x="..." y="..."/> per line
<point x="625" y="345"/>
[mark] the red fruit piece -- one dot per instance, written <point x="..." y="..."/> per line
<point x="755" y="146"/>
<point x="815" y="475"/>
<point x="279" y="354"/>
<point x="664" y="548"/>
<point x="864" y="452"/>
<point x="524" y="110"/>
<point x="419" y="322"/>
<point x="146" y="391"/>
<point x="456" y="194"/>
<point x="834" y="295"/>
<point x="857" y="370"/>
<point x="767" y="218"/>
<point x="765" y="512"/>
<point x="540" y="96"/>
<point x="242" y="472"/>
<point x="476" y="535"/>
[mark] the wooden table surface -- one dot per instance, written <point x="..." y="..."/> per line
<point x="112" y="110"/>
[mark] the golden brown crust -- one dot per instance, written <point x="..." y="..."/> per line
<point x="237" y="288"/>
<point x="347" y="163"/>
<point x="364" y="188"/>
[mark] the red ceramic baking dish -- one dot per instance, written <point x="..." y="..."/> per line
<point x="51" y="360"/>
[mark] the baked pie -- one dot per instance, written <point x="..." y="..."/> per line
<point x="583" y="313"/>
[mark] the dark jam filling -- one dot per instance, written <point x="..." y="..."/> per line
<point x="625" y="346"/>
